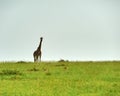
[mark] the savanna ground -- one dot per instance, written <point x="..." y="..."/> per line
<point x="60" y="79"/>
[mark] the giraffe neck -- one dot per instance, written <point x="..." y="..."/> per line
<point x="39" y="47"/>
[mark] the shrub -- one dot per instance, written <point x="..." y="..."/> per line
<point x="47" y="73"/>
<point x="62" y="60"/>
<point x="21" y="62"/>
<point x="33" y="69"/>
<point x="10" y="72"/>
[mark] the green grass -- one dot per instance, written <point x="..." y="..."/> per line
<point x="60" y="79"/>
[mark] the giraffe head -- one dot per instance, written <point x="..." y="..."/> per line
<point x="41" y="38"/>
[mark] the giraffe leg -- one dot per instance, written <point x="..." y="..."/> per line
<point x="35" y="58"/>
<point x="40" y="58"/>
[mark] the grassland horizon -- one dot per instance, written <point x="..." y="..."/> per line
<point x="60" y="60"/>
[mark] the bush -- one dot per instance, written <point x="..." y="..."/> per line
<point x="21" y="62"/>
<point x="47" y="73"/>
<point x="10" y="72"/>
<point x="62" y="60"/>
<point x="33" y="69"/>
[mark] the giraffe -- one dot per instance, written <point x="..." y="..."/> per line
<point x="37" y="53"/>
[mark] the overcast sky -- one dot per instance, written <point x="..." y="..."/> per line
<point x="71" y="29"/>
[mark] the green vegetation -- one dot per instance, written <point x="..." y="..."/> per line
<point x="60" y="79"/>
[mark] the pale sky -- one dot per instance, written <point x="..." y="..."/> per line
<point x="71" y="29"/>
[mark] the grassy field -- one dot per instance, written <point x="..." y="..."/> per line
<point x="60" y="79"/>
